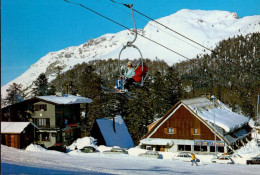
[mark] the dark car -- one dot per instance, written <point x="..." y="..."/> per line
<point x="58" y="148"/>
<point x="88" y="149"/>
<point x="254" y="160"/>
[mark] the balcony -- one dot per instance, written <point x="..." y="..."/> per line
<point x="48" y="127"/>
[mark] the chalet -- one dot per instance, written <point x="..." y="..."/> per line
<point x="18" y="134"/>
<point x="189" y="126"/>
<point x="111" y="132"/>
<point x="56" y="116"/>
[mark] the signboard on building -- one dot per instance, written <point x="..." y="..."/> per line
<point x="209" y="143"/>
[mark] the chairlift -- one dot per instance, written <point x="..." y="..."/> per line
<point x="130" y="44"/>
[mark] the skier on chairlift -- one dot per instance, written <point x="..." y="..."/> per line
<point x="140" y="73"/>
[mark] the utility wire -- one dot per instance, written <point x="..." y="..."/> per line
<point x="151" y="39"/>
<point x="212" y="51"/>
<point x="127" y="28"/>
<point x="194" y="61"/>
<point x="154" y="26"/>
<point x="163" y="25"/>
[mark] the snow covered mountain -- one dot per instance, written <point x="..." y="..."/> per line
<point x="205" y="27"/>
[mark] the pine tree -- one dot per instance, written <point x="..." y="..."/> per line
<point x="14" y="94"/>
<point x="41" y="85"/>
<point x="173" y="90"/>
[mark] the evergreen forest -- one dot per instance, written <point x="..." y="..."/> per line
<point x="231" y="73"/>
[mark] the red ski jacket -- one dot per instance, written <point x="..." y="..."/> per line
<point x="138" y="73"/>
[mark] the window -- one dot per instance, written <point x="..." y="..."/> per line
<point x="170" y="130"/>
<point x="184" y="147"/>
<point x="42" y="122"/>
<point x="45" y="136"/>
<point x="195" y="131"/>
<point x="196" y="148"/>
<point x="40" y="107"/>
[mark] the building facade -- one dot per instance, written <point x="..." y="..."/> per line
<point x="189" y="127"/>
<point x="56" y="116"/>
<point x="18" y="134"/>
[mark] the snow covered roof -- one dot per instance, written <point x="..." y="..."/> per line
<point x="14" y="127"/>
<point x="65" y="99"/>
<point x="119" y="138"/>
<point x="156" y="141"/>
<point x="224" y="117"/>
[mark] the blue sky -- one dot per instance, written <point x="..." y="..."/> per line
<point x="32" y="28"/>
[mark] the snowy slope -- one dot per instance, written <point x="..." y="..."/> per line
<point x="36" y="160"/>
<point x="205" y="27"/>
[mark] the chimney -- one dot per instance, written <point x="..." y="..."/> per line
<point x="59" y="94"/>
<point x="114" y="124"/>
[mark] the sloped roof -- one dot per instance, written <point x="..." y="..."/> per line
<point x="204" y="110"/>
<point x="223" y="116"/>
<point x="14" y="127"/>
<point x="65" y="99"/>
<point x="119" y="138"/>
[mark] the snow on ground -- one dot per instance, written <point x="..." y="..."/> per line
<point x="37" y="160"/>
<point x="81" y="142"/>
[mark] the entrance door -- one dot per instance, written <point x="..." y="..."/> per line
<point x="13" y="141"/>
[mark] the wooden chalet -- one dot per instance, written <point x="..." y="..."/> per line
<point x="56" y="116"/>
<point x="189" y="126"/>
<point x="18" y="134"/>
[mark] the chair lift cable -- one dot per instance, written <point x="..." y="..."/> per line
<point x="141" y="35"/>
<point x="127" y="28"/>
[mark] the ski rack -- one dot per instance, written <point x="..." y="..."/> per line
<point x="130" y="44"/>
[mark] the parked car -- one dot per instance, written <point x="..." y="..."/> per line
<point x="185" y="157"/>
<point x="58" y="148"/>
<point x="88" y="149"/>
<point x="115" y="151"/>
<point x="150" y="154"/>
<point x="222" y="159"/>
<point x="254" y="160"/>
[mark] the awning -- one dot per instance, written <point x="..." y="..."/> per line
<point x="149" y="141"/>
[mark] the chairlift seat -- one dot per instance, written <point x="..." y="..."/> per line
<point x="142" y="82"/>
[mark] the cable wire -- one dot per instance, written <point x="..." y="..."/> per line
<point x="127" y="28"/>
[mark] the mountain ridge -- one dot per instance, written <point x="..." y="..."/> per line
<point x="206" y="27"/>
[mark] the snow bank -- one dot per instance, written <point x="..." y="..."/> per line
<point x="35" y="148"/>
<point x="102" y="148"/>
<point x="38" y="148"/>
<point x="81" y="142"/>
<point x="76" y="153"/>
<point x="250" y="148"/>
<point x="135" y="151"/>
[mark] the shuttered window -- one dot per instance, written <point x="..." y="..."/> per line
<point x="195" y="131"/>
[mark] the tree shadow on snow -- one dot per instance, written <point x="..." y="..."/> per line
<point x="7" y="169"/>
